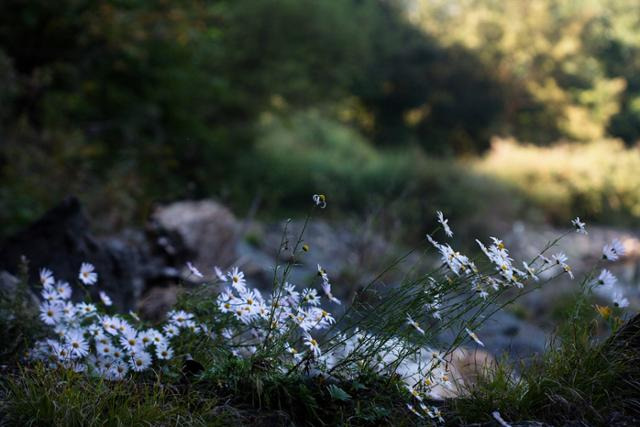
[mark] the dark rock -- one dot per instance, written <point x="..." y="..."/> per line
<point x="627" y="338"/>
<point x="61" y="241"/>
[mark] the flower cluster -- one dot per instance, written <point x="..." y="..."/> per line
<point x="606" y="284"/>
<point x="87" y="340"/>
<point x="287" y="312"/>
<point x="423" y="370"/>
<point x="506" y="273"/>
<point x="297" y="323"/>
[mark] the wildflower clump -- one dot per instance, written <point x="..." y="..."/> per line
<point x="606" y="284"/>
<point x="288" y="316"/>
<point x="86" y="339"/>
<point x="293" y="333"/>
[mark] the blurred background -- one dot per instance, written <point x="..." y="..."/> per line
<point x="497" y="113"/>
<point x="528" y="109"/>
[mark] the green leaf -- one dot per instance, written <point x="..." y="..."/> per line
<point x="338" y="394"/>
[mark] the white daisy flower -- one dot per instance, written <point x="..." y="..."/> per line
<point x="170" y="330"/>
<point x="194" y="270"/>
<point x="50" y="294"/>
<point x="320" y="200"/>
<point x="415" y="393"/>
<point x="237" y="279"/>
<point x="567" y="269"/>
<point x="157" y="337"/>
<point x="87" y="275"/>
<point x="85" y="309"/>
<point x="50" y="312"/>
<point x="46" y="277"/>
<point x="613" y="251"/>
<point x="313" y="345"/>
<point x="426" y="409"/>
<point x="559" y="258"/>
<point x="145" y="338"/>
<point x="619" y="300"/>
<point x="606" y="278"/>
<point x="122" y="326"/>
<point x="78" y="346"/>
<point x="105" y="299"/>
<point x="68" y="311"/>
<point x="62" y="352"/>
<point x="118" y="370"/>
<point x="130" y="341"/>
<point x="474" y="337"/>
<point x="310" y="296"/>
<point x="118" y="353"/>
<point x="164" y="352"/>
<point x="219" y="274"/>
<point x="63" y="289"/>
<point x="326" y="288"/>
<point x="415" y="324"/>
<point x="105" y="349"/>
<point x="180" y="318"/>
<point x="109" y="324"/>
<point x="437" y="414"/>
<point x="530" y="271"/>
<point x="445" y="224"/>
<point x="579" y="225"/>
<point x="140" y="361"/>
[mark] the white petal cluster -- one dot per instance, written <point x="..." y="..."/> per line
<point x="88" y="341"/>
<point x="87" y="275"/>
<point x="287" y="312"/>
<point x="459" y="264"/>
<point x="424" y="371"/>
<point x="579" y="226"/>
<point x="444" y="223"/>
<point x="613" y="251"/>
<point x="606" y="285"/>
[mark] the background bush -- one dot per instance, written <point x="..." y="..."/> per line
<point x="131" y="103"/>
<point x="597" y="179"/>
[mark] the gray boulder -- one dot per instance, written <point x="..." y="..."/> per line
<point x="203" y="232"/>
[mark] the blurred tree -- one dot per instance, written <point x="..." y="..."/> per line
<point x="146" y="99"/>
<point x="127" y="102"/>
<point x="444" y="99"/>
<point x="541" y="52"/>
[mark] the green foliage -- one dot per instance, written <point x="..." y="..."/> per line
<point x="308" y="152"/>
<point x="338" y="394"/>
<point x="40" y="396"/>
<point x="577" y="380"/>
<point x="597" y="180"/>
<point x="567" y="69"/>
<point x="19" y="322"/>
<point x="129" y="103"/>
